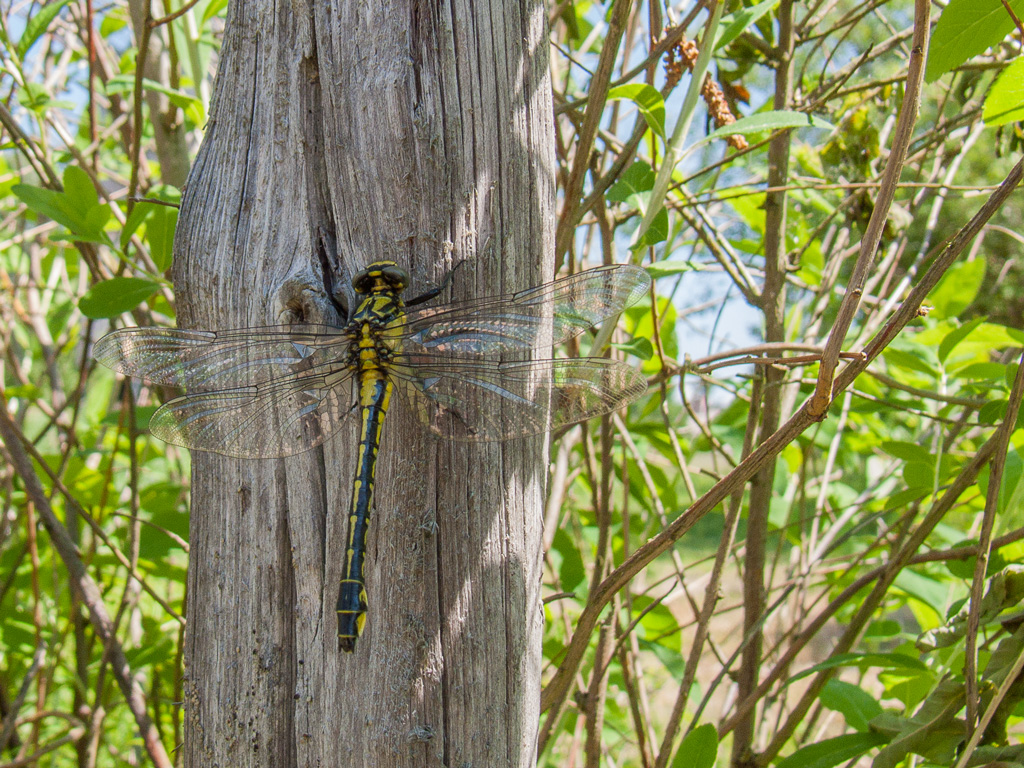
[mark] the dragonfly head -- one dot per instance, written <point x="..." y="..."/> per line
<point x="381" y="276"/>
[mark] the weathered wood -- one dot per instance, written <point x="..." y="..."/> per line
<point x="342" y="133"/>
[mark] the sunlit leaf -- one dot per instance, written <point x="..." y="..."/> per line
<point x="950" y="342"/>
<point x="825" y="754"/>
<point x="699" y="749"/>
<point x="965" y="29"/>
<point x="571" y="572"/>
<point x="125" y="83"/>
<point x="766" y="122"/>
<point x="631" y="187"/>
<point x="77" y="208"/>
<point x="863" y="660"/>
<point x="957" y="289"/>
<point x="647" y="99"/>
<point x="733" y="25"/>
<point x="160" y="235"/>
<point x="856" y="705"/>
<point x="638" y="347"/>
<point x="669" y="268"/>
<point x="38" y="24"/>
<point x="1005" y="101"/>
<point x="112" y="297"/>
<point x="907" y="451"/>
<point x="79" y="188"/>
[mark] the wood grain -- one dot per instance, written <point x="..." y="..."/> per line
<point x="344" y="132"/>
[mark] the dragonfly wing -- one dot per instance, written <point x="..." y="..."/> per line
<point x="205" y="361"/>
<point x="536" y="318"/>
<point x="481" y="400"/>
<point x="274" y="419"/>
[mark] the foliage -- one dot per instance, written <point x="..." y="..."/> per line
<point x="726" y="575"/>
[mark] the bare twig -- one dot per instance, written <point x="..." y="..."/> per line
<point x="87" y="588"/>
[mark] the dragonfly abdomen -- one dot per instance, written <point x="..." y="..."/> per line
<point x="374" y="397"/>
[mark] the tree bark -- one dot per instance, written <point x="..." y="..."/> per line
<point x="342" y="133"/>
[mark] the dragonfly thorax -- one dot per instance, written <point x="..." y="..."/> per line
<point x="374" y="330"/>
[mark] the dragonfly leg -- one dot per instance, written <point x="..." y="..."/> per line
<point x="434" y="292"/>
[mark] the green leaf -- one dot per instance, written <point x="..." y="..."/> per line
<point x="571" y="572"/>
<point x="658" y="621"/>
<point x="112" y="297"/>
<point x="37" y="25"/>
<point x="957" y="289"/>
<point x="962" y="569"/>
<point x="633" y="185"/>
<point x="58" y="317"/>
<point x="994" y="373"/>
<point x="733" y="25"/>
<point x="634" y="188"/>
<point x="954" y="337"/>
<point x="671" y="659"/>
<point x="830" y="752"/>
<point x="638" y="347"/>
<point x="933" y="732"/>
<point x="30" y="391"/>
<point x="919" y="475"/>
<point x="854" y="703"/>
<point x="213" y="9"/>
<point x="95" y="219"/>
<point x="669" y="268"/>
<point x="79" y="189"/>
<point x="699" y="749"/>
<point x="45" y="202"/>
<point x="965" y="29"/>
<point x="1005" y="101"/>
<point x="910" y="362"/>
<point x="33" y="97"/>
<point x="930" y="591"/>
<point x="883" y="660"/>
<point x="126" y="84"/>
<point x="138" y="215"/>
<point x="160" y="235"/>
<point x="883" y="628"/>
<point x="647" y="99"/>
<point x="177" y="98"/>
<point x="907" y="451"/>
<point x="77" y="208"/>
<point x="656" y="233"/>
<point x="765" y="122"/>
<point x="992" y="412"/>
<point x="112" y="23"/>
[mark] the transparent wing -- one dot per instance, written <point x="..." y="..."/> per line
<point x="481" y="400"/>
<point x="536" y="318"/>
<point x="279" y="418"/>
<point x="206" y="361"/>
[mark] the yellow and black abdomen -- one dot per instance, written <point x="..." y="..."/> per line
<point x="374" y="396"/>
<point x="373" y="346"/>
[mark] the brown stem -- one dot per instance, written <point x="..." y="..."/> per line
<point x="556" y="692"/>
<point x="87" y="588"/>
<point x="995" y="482"/>
<point x="591" y="120"/>
<point x="824" y="390"/>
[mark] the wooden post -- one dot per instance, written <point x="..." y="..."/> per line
<point x="344" y="132"/>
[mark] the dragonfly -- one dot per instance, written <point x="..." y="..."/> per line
<point x="465" y="369"/>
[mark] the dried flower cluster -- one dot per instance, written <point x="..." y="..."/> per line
<point x="684" y="54"/>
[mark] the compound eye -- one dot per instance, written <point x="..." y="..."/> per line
<point x="362" y="282"/>
<point x="397" y="277"/>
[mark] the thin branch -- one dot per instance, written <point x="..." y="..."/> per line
<point x="87" y="588"/>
